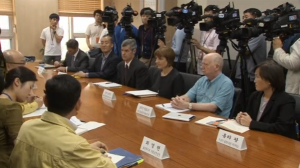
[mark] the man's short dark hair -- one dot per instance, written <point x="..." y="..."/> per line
<point x="21" y="72"/>
<point x="148" y="10"/>
<point x="98" y="11"/>
<point x="254" y="12"/>
<point x="213" y="8"/>
<point x="110" y="37"/>
<point x="62" y="94"/>
<point x="272" y="72"/>
<point x="72" y="43"/>
<point x="54" y="16"/>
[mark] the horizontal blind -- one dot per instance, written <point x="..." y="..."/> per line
<point x="75" y="7"/>
<point x="6" y="7"/>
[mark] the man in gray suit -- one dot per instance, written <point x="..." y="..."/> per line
<point x="76" y="60"/>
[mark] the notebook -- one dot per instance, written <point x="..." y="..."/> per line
<point x="129" y="158"/>
<point x="181" y="117"/>
<point x="107" y="84"/>
<point x="37" y="112"/>
<point x="168" y="107"/>
<point x="230" y="125"/>
<point x="142" y="93"/>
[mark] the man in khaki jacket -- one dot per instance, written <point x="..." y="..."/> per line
<point x="51" y="141"/>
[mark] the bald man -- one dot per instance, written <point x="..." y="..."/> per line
<point x="15" y="59"/>
<point x="212" y="93"/>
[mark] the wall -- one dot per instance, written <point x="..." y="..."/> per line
<point x="31" y="18"/>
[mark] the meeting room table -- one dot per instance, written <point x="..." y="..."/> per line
<point x="189" y="144"/>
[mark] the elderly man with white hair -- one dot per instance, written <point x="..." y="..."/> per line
<point x="211" y="93"/>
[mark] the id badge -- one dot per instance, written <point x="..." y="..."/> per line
<point x="52" y="45"/>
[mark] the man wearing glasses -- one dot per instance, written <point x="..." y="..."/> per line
<point x="15" y="59"/>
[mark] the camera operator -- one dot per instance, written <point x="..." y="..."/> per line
<point x="177" y="41"/>
<point x="289" y="61"/>
<point x="258" y="49"/>
<point x="146" y="37"/>
<point x="209" y="40"/>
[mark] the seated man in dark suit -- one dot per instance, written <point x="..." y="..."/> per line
<point x="105" y="66"/>
<point x="76" y="60"/>
<point x="132" y="72"/>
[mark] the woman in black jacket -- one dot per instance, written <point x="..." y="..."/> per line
<point x="270" y="108"/>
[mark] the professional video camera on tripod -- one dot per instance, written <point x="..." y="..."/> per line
<point x="157" y="21"/>
<point x="110" y="15"/>
<point x="185" y="18"/>
<point x="127" y="19"/>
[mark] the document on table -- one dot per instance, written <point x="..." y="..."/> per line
<point x="37" y="112"/>
<point x="83" y="128"/>
<point x="168" y="107"/>
<point x="115" y="158"/>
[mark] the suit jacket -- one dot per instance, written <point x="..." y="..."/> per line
<point x="81" y="62"/>
<point x="278" y="116"/>
<point x="109" y="70"/>
<point x="138" y="76"/>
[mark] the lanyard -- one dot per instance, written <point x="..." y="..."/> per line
<point x="7" y="96"/>
<point x="206" y="38"/>
<point x="52" y="37"/>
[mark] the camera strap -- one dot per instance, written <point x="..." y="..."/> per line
<point x="207" y="37"/>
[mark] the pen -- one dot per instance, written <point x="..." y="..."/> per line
<point x="163" y="105"/>
<point x="136" y="163"/>
<point x="108" y="83"/>
<point x="219" y="120"/>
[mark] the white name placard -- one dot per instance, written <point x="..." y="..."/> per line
<point x="154" y="148"/>
<point x="145" y="110"/>
<point x="231" y="140"/>
<point x="108" y="95"/>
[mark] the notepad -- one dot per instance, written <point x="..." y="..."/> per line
<point x="37" y="112"/>
<point x="168" y="107"/>
<point x="230" y="125"/>
<point x="107" y="84"/>
<point x="181" y="117"/>
<point x="83" y="128"/>
<point x="129" y="158"/>
<point x="142" y="93"/>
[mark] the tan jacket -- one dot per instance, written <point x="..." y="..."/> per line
<point x="50" y="142"/>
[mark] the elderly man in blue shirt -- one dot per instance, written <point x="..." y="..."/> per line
<point x="213" y="92"/>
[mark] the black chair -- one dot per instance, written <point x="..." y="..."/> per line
<point x="189" y="80"/>
<point x="297" y="108"/>
<point x="226" y="68"/>
<point x="237" y="102"/>
<point x="91" y="61"/>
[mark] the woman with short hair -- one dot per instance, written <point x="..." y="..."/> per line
<point x="270" y="108"/>
<point x="165" y="79"/>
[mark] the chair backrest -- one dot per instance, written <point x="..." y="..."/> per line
<point x="91" y="61"/>
<point x="297" y="108"/>
<point x="237" y="102"/>
<point x="189" y="80"/>
<point x="226" y="68"/>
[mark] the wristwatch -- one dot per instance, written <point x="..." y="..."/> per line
<point x="190" y="106"/>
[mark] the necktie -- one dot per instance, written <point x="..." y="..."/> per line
<point x="126" y="71"/>
<point x="72" y="61"/>
<point x="103" y="62"/>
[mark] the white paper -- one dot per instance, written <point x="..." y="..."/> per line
<point x="115" y="158"/>
<point x="37" y="112"/>
<point x="107" y="84"/>
<point x="76" y="121"/>
<point x="142" y="93"/>
<point x="168" y="107"/>
<point x="61" y="73"/>
<point x="88" y="127"/>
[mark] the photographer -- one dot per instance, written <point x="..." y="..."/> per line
<point x="291" y="62"/>
<point x="146" y="37"/>
<point x="258" y="49"/>
<point x="209" y="40"/>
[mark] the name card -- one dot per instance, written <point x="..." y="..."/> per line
<point x="108" y="95"/>
<point x="41" y="70"/>
<point x="145" y="110"/>
<point x="231" y="140"/>
<point x="154" y="148"/>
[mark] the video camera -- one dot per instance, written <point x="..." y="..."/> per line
<point x="185" y="17"/>
<point x="110" y="15"/>
<point x="127" y="19"/>
<point x="158" y="21"/>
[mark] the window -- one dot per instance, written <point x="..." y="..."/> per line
<point x="74" y="27"/>
<point x="7" y="35"/>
